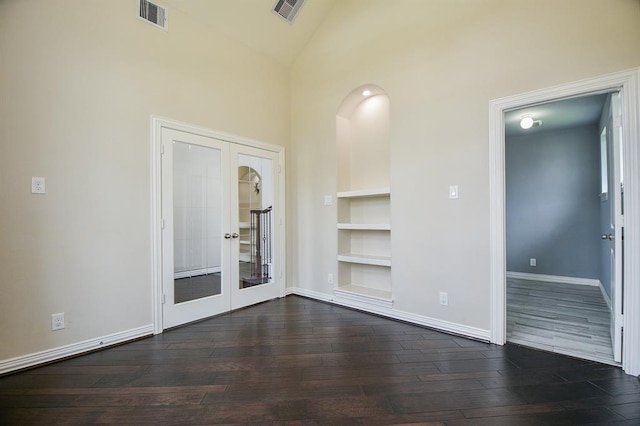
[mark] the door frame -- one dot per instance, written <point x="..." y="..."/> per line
<point x="157" y="124"/>
<point x="628" y="82"/>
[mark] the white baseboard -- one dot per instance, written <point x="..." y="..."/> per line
<point x="446" y="326"/>
<point x="553" y="278"/>
<point x="61" y="352"/>
<point x="310" y="294"/>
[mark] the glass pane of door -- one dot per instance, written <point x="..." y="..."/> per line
<point x="255" y="220"/>
<point x="197" y="222"/>
<point x="196" y="248"/>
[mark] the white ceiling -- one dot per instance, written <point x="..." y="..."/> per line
<point x="254" y="23"/>
<point x="557" y="115"/>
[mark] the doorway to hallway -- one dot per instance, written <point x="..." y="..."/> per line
<point x="626" y="82"/>
<point x="563" y="186"/>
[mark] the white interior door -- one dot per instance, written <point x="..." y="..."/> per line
<point x="195" y="214"/>
<point x="256" y="219"/>
<point x="616" y="231"/>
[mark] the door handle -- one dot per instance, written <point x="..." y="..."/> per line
<point x="607" y="236"/>
<point x="227" y="236"/>
<point x="235" y="235"/>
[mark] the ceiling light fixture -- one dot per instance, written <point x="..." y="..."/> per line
<point x="528" y="122"/>
<point x="366" y="92"/>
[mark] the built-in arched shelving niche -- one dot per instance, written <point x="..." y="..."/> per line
<point x="362" y="136"/>
<point x="364" y="198"/>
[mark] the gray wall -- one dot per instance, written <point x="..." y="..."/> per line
<point x="553" y="204"/>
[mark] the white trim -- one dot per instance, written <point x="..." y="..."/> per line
<point x="358" y="294"/>
<point x="554" y="279"/>
<point x="197" y="272"/>
<point x="297" y="291"/>
<point x="365" y="226"/>
<point x="157" y="124"/>
<point x="55" y="354"/>
<point x="382" y="192"/>
<point x="365" y="259"/>
<point x="629" y="84"/>
<point x="437" y="324"/>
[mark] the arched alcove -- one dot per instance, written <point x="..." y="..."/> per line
<point x="362" y="137"/>
<point x="364" y="198"/>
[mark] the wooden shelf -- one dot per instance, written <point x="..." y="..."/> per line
<point x="364" y="259"/>
<point x="365" y="193"/>
<point x="365" y="226"/>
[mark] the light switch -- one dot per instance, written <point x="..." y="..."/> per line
<point x="328" y="200"/>
<point x="453" y="192"/>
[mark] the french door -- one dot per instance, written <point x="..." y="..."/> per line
<point x="219" y="226"/>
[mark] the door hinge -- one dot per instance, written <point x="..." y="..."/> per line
<point x="164" y="299"/>
<point x="161" y="149"/>
<point x="162" y="224"/>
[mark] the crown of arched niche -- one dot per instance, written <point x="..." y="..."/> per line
<point x="357" y="96"/>
<point x="362" y="139"/>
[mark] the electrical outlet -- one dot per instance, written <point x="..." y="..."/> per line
<point x="444" y="298"/>
<point x="57" y="321"/>
<point x="37" y="185"/>
<point x="330" y="279"/>
<point x="533" y="262"/>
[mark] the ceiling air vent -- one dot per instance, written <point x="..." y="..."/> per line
<point x="288" y="9"/>
<point x="154" y="14"/>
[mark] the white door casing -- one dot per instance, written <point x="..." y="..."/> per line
<point x="628" y="83"/>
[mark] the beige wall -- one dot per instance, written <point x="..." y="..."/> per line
<point x="440" y="62"/>
<point x="78" y="83"/>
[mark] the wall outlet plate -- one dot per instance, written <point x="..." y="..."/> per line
<point x="57" y="321"/>
<point x="37" y="185"/>
<point x="444" y="298"/>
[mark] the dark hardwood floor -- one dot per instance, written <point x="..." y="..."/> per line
<point x="298" y="361"/>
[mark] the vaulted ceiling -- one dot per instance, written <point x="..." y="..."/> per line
<point x="254" y="23"/>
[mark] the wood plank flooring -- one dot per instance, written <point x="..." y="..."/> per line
<point x="565" y="318"/>
<point x="301" y="362"/>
